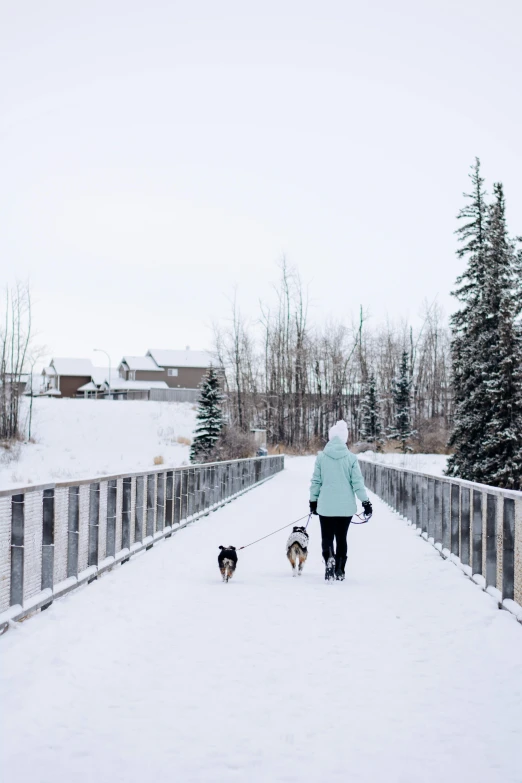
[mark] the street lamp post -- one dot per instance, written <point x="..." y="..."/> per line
<point x="109" y="358"/>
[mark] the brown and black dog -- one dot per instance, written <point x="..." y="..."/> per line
<point x="297" y="549"/>
<point x="227" y="561"/>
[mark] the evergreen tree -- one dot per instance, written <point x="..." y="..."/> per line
<point x="466" y="326"/>
<point x="371" y="421"/>
<point x="487" y="349"/>
<point x="401" y="393"/>
<point x="499" y="459"/>
<point x="210" y="419"/>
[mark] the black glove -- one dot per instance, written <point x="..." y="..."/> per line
<point x="313" y="507"/>
<point x="367" y="506"/>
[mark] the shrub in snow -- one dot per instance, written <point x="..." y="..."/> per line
<point x="432" y="436"/>
<point x="235" y="444"/>
<point x="184" y="441"/>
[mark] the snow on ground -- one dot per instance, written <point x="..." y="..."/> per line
<point x="86" y="438"/>
<point x="434" y="464"/>
<point x="406" y="672"/>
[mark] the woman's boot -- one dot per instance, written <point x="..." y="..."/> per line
<point x="329" y="572"/>
<point x="340" y="564"/>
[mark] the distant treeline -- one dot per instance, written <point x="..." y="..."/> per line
<point x="296" y="379"/>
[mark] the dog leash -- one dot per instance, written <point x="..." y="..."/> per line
<point x="274" y="532"/>
<point x="363" y="521"/>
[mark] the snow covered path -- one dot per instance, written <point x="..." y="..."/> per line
<point x="405" y="673"/>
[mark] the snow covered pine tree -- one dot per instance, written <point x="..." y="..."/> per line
<point x="210" y="419"/>
<point x="371" y="422"/>
<point x="499" y="460"/>
<point x="466" y="327"/>
<point x="488" y="417"/>
<point x="401" y="393"/>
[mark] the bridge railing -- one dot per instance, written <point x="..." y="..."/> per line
<point x="481" y="526"/>
<point x="55" y="537"/>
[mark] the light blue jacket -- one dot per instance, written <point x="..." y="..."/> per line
<point x="336" y="481"/>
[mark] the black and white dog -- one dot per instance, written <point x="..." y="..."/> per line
<point x="227" y="560"/>
<point x="297" y="549"/>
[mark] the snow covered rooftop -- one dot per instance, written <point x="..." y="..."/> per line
<point x="73" y="367"/>
<point x="101" y="375"/>
<point x="187" y="358"/>
<point x="144" y="363"/>
<point x="33" y="384"/>
<point x="87" y="387"/>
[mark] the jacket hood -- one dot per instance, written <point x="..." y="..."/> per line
<point x="336" y="449"/>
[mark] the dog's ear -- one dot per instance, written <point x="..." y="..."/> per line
<point x="232" y="547"/>
<point x="221" y="547"/>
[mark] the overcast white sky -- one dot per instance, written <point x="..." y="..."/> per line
<point x="154" y="154"/>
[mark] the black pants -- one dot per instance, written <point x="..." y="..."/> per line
<point x="335" y="527"/>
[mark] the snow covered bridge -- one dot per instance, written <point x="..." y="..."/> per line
<point x="406" y="671"/>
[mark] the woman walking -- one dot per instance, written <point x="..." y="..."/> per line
<point x="337" y="479"/>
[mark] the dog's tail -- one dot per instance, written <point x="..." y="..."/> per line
<point x="297" y="555"/>
<point x="228" y="568"/>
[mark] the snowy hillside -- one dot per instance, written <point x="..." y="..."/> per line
<point x="84" y="438"/>
<point x="434" y="464"/>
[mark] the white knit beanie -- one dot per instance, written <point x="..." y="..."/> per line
<point x="339" y="430"/>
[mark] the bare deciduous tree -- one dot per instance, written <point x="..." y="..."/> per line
<point x="296" y="379"/>
<point x="15" y="337"/>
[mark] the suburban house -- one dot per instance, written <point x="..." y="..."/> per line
<point x="64" y="377"/>
<point x="178" y="369"/>
<point x="161" y="375"/>
<point x="73" y="378"/>
<point x="139" y="368"/>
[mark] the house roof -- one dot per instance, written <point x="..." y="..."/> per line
<point x="187" y="358"/>
<point x="100" y="375"/>
<point x="144" y="363"/>
<point x="34" y="380"/>
<point x="89" y="387"/>
<point x="33" y="383"/>
<point x="78" y="367"/>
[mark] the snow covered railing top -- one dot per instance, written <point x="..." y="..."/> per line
<point x="54" y="537"/>
<point x="478" y="526"/>
<point x="461" y="482"/>
<point x="74" y="482"/>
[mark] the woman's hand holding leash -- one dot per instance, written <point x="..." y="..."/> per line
<point x="367" y="513"/>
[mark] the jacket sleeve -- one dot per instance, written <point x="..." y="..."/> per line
<point x="357" y="481"/>
<point x="317" y="480"/>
